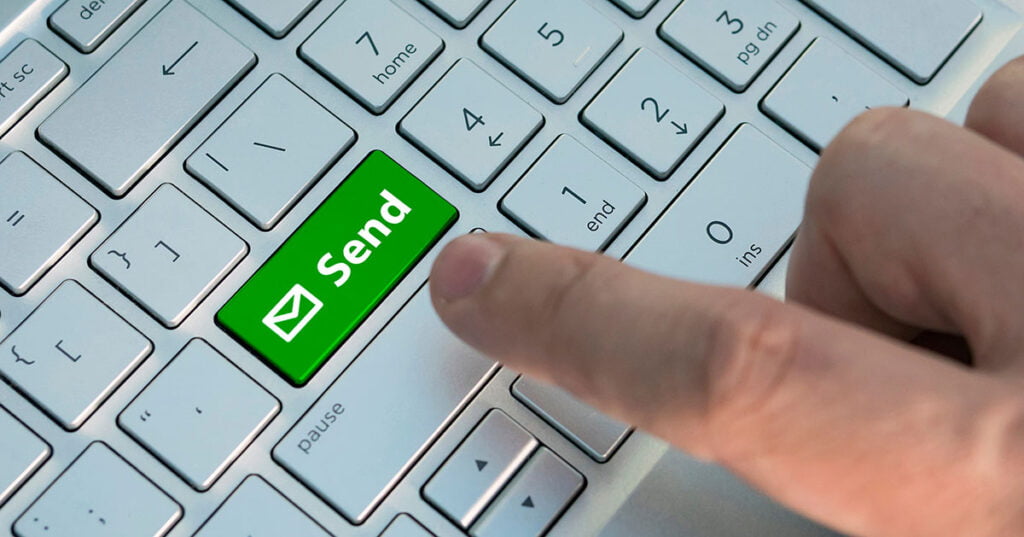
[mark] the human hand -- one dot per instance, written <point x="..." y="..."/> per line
<point x="912" y="226"/>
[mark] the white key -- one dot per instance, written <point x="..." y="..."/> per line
<point x="733" y="219"/>
<point x="372" y="49"/>
<point x="277" y="18"/>
<point x="636" y="8"/>
<point x="385" y="410"/>
<point x="405" y="526"/>
<point x="554" y="46"/>
<point x="916" y="36"/>
<point x="40" y="220"/>
<point x="70" y="354"/>
<point x="122" y="121"/>
<point x="824" y="91"/>
<point x="653" y="113"/>
<point x="733" y="39"/>
<point x="222" y="409"/>
<point x="271" y="151"/>
<point x="572" y="197"/>
<point x="29" y="73"/>
<point x="471" y="124"/>
<point x="87" y="24"/>
<point x="21" y="454"/>
<point x="480" y="468"/>
<point x="596" y="434"/>
<point x="534" y="500"/>
<point x="100" y="495"/>
<point x="169" y="255"/>
<point x="458" y="13"/>
<point x="257" y="509"/>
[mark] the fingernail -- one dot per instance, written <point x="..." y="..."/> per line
<point x="464" y="266"/>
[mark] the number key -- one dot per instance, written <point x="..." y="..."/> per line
<point x="555" y="46"/>
<point x="733" y="39"/>
<point x="471" y="124"/>
<point x="653" y="113"/>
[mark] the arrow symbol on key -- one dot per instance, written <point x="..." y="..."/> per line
<point x="528" y="502"/>
<point x="169" y="70"/>
<point x="682" y="129"/>
<point x="480" y="465"/>
<point x="494" y="142"/>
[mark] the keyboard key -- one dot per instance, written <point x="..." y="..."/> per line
<point x="458" y="13"/>
<point x="256" y="508"/>
<point x="554" y="46"/>
<point x="21" y="454"/>
<point x="30" y="72"/>
<point x="405" y="526"/>
<point x="122" y="121"/>
<point x="40" y="220"/>
<point x="222" y="409"/>
<point x="912" y="35"/>
<point x="636" y="8"/>
<point x="277" y="18"/>
<point x="169" y="255"/>
<point x="733" y="220"/>
<point x="653" y="113"/>
<point x="87" y="24"/>
<point x="596" y="434"/>
<point x="733" y="39"/>
<point x="480" y="468"/>
<point x="471" y="124"/>
<point x="824" y="91"/>
<point x="100" y="495"/>
<point x="70" y="354"/>
<point x="531" y="504"/>
<point x="271" y="151"/>
<point x="372" y="49"/>
<point x="572" y="197"/>
<point x="384" y="412"/>
<point x="330" y="275"/>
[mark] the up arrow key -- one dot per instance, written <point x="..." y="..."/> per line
<point x="528" y="502"/>
<point x="169" y="71"/>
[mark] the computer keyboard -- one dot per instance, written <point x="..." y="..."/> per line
<point x="217" y="218"/>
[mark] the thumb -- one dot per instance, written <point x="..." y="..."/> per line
<point x="821" y="415"/>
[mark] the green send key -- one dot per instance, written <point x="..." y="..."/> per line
<point x="303" y="303"/>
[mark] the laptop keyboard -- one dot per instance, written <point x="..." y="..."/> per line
<point x="213" y="265"/>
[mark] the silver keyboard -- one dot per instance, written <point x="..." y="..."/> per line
<point x="162" y="161"/>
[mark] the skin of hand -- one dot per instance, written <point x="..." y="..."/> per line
<point x="913" y="226"/>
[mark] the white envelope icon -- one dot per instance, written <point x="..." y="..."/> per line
<point x="289" y="309"/>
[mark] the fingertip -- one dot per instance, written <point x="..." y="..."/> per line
<point x="463" y="267"/>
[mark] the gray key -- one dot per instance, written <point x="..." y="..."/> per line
<point x="271" y="151"/>
<point x="653" y="113"/>
<point x="87" y="24"/>
<point x="122" y="121"/>
<point x="572" y="197"/>
<point x="276" y="17"/>
<point x="480" y="468"/>
<point x="471" y="124"/>
<point x="458" y="13"/>
<point x="735" y="217"/>
<point x="372" y="49"/>
<point x="824" y="91"/>
<point x="222" y="409"/>
<point x="916" y="36"/>
<point x="405" y="526"/>
<point x="733" y="39"/>
<point x="554" y="46"/>
<point x="21" y="454"/>
<point x="596" y="434"/>
<point x="531" y="504"/>
<point x="100" y="495"/>
<point x="385" y="410"/>
<point x="70" y="354"/>
<point x="256" y="509"/>
<point x="636" y="8"/>
<point x="27" y="75"/>
<point x="169" y="255"/>
<point x="40" y="220"/>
